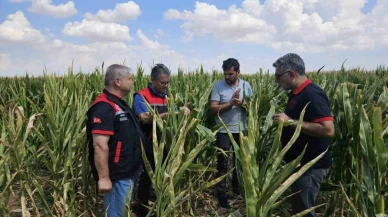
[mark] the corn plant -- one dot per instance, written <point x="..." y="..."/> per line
<point x="46" y="166"/>
<point x="264" y="182"/>
<point x="168" y="179"/>
<point x="17" y="157"/>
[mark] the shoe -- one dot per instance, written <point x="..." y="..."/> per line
<point x="236" y="191"/>
<point x="134" y="205"/>
<point x="141" y="211"/>
<point x="223" y="203"/>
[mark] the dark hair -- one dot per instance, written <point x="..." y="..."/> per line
<point x="229" y="63"/>
<point x="115" y="71"/>
<point x="291" y="61"/>
<point x="159" y="69"/>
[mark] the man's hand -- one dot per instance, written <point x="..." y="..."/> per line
<point x="186" y="108"/>
<point x="277" y="117"/>
<point x="145" y="117"/>
<point x="104" y="185"/>
<point x="236" y="98"/>
<point x="236" y="101"/>
<point x="236" y="93"/>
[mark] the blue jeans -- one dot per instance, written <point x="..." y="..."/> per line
<point x="121" y="194"/>
<point x="308" y="185"/>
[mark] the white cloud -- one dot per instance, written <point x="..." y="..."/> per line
<point x="331" y="32"/>
<point x="226" y="25"/>
<point x="159" y="33"/>
<point x="160" y="53"/>
<point x="18" y="29"/>
<point x="57" y="55"/>
<point x="150" y="51"/>
<point x="304" y="25"/>
<point x="147" y="42"/>
<point x="46" y="7"/>
<point x="121" y="13"/>
<point x="172" y="14"/>
<point x="97" y="30"/>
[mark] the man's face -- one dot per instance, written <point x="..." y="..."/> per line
<point x="126" y="84"/>
<point x="160" y="84"/>
<point x="283" y="78"/>
<point x="231" y="76"/>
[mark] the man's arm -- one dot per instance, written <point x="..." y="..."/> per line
<point x="101" y="156"/>
<point x="318" y="111"/>
<point x="319" y="129"/>
<point x="215" y="106"/>
<point x="142" y="111"/>
<point x="146" y="117"/>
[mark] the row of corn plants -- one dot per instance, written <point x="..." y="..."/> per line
<point x="43" y="152"/>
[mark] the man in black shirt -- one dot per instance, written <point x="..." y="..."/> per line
<point x="317" y="128"/>
<point x="114" y="141"/>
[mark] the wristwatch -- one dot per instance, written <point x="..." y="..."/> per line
<point x="291" y="122"/>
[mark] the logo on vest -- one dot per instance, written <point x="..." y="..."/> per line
<point x="292" y="103"/>
<point x="123" y="117"/>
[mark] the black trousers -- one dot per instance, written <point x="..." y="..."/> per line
<point x="144" y="188"/>
<point x="223" y="142"/>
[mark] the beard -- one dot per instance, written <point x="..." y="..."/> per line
<point x="230" y="81"/>
<point x="285" y="87"/>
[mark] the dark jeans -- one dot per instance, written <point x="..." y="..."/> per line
<point x="308" y="185"/>
<point x="224" y="143"/>
<point x="144" y="188"/>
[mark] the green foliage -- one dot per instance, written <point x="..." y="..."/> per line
<point x="43" y="152"/>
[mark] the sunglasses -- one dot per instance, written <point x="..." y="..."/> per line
<point x="277" y="76"/>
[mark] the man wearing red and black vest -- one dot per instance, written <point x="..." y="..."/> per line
<point x="114" y="135"/>
<point x="317" y="128"/>
<point x="155" y="95"/>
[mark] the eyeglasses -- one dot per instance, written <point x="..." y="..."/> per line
<point x="165" y="83"/>
<point x="277" y="76"/>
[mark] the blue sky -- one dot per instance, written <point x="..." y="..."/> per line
<point x="49" y="33"/>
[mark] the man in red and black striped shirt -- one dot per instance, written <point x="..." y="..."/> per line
<point x="317" y="128"/>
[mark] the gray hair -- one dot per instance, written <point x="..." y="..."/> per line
<point x="159" y="69"/>
<point x="291" y="61"/>
<point x="115" y="71"/>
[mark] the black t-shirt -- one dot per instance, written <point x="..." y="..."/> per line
<point x="317" y="110"/>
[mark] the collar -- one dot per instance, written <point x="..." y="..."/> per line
<point x="110" y="94"/>
<point x="156" y="93"/>
<point x="301" y="87"/>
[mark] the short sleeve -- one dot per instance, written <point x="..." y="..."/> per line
<point x="318" y="109"/>
<point x="215" y="95"/>
<point x="139" y="104"/>
<point x="102" y="118"/>
<point x="248" y="89"/>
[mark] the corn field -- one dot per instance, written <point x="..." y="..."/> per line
<point x="44" y="169"/>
